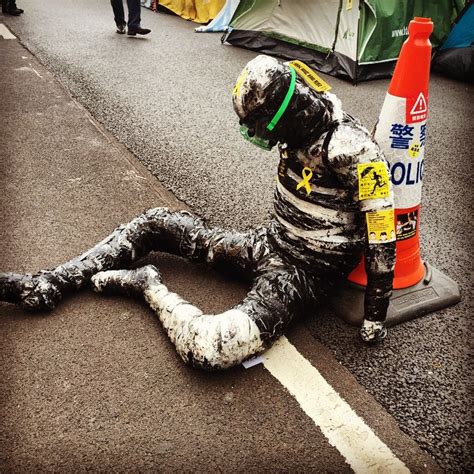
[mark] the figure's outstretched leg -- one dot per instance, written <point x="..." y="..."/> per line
<point x="179" y="233"/>
<point x="224" y="340"/>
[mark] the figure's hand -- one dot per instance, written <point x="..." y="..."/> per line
<point x="372" y="331"/>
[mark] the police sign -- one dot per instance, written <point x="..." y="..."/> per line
<point x="404" y="147"/>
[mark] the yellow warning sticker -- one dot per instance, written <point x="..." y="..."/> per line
<point x="373" y="180"/>
<point x="414" y="150"/>
<point x="380" y="226"/>
<point x="240" y="81"/>
<point x="310" y="77"/>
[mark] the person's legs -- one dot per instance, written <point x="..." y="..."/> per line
<point x="134" y="17"/>
<point x="119" y="14"/>
<point x="179" y="233"/>
<point x="9" y="7"/>
<point x="214" y="342"/>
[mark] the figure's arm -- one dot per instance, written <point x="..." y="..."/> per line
<point x="379" y="265"/>
<point x="355" y="162"/>
<point x="378" y="211"/>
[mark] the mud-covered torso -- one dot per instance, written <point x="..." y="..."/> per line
<point x="317" y="220"/>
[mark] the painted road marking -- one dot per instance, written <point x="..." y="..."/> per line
<point x="5" y="32"/>
<point x="29" y="69"/>
<point x="343" y="428"/>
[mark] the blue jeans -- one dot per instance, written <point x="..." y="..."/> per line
<point x="133" y="12"/>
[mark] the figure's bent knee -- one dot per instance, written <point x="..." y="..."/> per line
<point x="126" y="282"/>
<point x="219" y="342"/>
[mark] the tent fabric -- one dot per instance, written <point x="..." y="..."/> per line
<point x="462" y="34"/>
<point x="391" y="18"/>
<point x="455" y="58"/>
<point x="222" y="20"/>
<point x="200" y="11"/>
<point x="457" y="63"/>
<point x="358" y="39"/>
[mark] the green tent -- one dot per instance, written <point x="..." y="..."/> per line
<point x="359" y="39"/>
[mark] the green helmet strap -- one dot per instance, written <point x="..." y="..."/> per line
<point x="276" y="118"/>
<point x="266" y="143"/>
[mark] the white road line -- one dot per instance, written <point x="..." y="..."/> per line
<point x="5" y="32"/>
<point x="343" y="428"/>
<point x="29" y="69"/>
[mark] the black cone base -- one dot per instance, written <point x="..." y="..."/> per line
<point x="436" y="291"/>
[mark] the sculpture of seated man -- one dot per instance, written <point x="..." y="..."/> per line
<point x="317" y="235"/>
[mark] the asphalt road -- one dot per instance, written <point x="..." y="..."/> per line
<point x="95" y="384"/>
<point x="167" y="98"/>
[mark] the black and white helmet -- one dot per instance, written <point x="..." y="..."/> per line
<point x="260" y="90"/>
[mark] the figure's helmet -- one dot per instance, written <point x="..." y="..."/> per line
<point x="275" y="105"/>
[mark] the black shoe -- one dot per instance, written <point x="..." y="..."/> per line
<point x="121" y="29"/>
<point x="138" y="31"/>
<point x="13" y="12"/>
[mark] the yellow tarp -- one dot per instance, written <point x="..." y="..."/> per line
<point x="200" y="11"/>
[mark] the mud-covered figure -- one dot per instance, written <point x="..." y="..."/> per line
<point x="316" y="237"/>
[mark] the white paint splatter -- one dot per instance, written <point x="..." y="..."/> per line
<point x="208" y="341"/>
<point x="315" y="209"/>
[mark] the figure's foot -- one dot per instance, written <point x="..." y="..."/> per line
<point x="138" y="31"/>
<point x="373" y="331"/>
<point x="121" y="29"/>
<point x="39" y="292"/>
<point x="126" y="282"/>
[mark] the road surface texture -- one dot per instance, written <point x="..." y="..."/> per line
<point x="167" y="98"/>
<point x="96" y="385"/>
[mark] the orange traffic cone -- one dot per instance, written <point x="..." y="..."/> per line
<point x="400" y="132"/>
<point x="401" y="135"/>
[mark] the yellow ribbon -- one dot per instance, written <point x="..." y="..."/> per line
<point x="307" y="175"/>
<point x="240" y="81"/>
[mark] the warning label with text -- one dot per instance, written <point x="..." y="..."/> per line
<point x="381" y="226"/>
<point x="373" y="180"/>
<point x="417" y="108"/>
